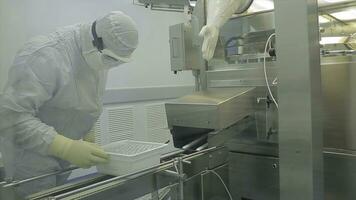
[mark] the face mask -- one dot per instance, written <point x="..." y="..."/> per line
<point x="93" y="58"/>
<point x="110" y="59"/>
<point x="101" y="61"/>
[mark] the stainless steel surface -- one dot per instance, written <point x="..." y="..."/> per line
<point x="20" y="182"/>
<point x="239" y="29"/>
<point x="7" y="193"/>
<point x="165" y="5"/>
<point x="339" y="97"/>
<point x="1" y="168"/>
<point x="129" y="189"/>
<point x="179" y="166"/>
<point x="337" y="6"/>
<point x="8" y="188"/>
<point x="212" y="109"/>
<point x="337" y="75"/>
<point x="351" y="40"/>
<point x="178" y="6"/>
<point x="184" y="51"/>
<point x="246" y="75"/>
<point x="254" y="177"/>
<point x="222" y="137"/>
<point x="242" y="39"/>
<point x="165" y="194"/>
<point x="165" y="2"/>
<point x="120" y="179"/>
<point x="221" y="74"/>
<point x="177" y="48"/>
<point x="257" y="177"/>
<point x="185" y="42"/>
<point x="198" y="163"/>
<point x="211" y="186"/>
<point x="195" y="142"/>
<point x="243" y="137"/>
<point x="136" y="185"/>
<point x="299" y="96"/>
<point x="340" y="175"/>
<point x="2" y="173"/>
<point x="339" y="29"/>
<point x="202" y="147"/>
<point x="68" y="187"/>
<point x="198" y="21"/>
<point x="172" y="154"/>
<point x="339" y="53"/>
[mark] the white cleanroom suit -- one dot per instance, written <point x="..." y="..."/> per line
<point x="54" y="96"/>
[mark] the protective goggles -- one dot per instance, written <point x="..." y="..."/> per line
<point x="99" y="44"/>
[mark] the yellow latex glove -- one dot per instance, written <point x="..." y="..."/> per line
<point x="80" y="153"/>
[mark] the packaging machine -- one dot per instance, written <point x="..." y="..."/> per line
<point x="236" y="144"/>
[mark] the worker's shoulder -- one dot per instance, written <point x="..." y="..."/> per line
<point x="48" y="46"/>
<point x="38" y="58"/>
<point x="38" y="44"/>
<point x="40" y="49"/>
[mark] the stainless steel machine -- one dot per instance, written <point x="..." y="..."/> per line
<point x="234" y="141"/>
<point x="305" y="148"/>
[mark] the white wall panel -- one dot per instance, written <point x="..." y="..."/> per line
<point x="21" y="20"/>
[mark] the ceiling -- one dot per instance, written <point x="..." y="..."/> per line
<point x="259" y="5"/>
<point x="342" y="14"/>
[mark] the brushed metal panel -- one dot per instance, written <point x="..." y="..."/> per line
<point x="254" y="177"/>
<point x="338" y="76"/>
<point x="211" y="109"/>
<point x="339" y="96"/>
<point x="340" y="176"/>
<point x="2" y="174"/>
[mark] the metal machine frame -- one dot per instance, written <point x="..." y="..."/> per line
<point x="300" y="157"/>
<point x="300" y="147"/>
<point x="180" y="178"/>
<point x="300" y="117"/>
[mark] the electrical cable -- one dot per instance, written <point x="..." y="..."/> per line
<point x="222" y="181"/>
<point x="265" y="70"/>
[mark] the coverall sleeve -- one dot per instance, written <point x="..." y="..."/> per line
<point x="31" y="83"/>
<point x="220" y="11"/>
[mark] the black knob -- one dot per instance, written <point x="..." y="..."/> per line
<point x="272" y="52"/>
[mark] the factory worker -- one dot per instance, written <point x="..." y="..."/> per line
<point x="54" y="96"/>
<point x="218" y="13"/>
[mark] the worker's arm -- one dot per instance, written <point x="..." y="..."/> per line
<point x="31" y="83"/>
<point x="90" y="136"/>
<point x="218" y="13"/>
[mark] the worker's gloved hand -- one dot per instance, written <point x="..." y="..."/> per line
<point x="218" y="13"/>
<point x="80" y="153"/>
<point x="211" y="36"/>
